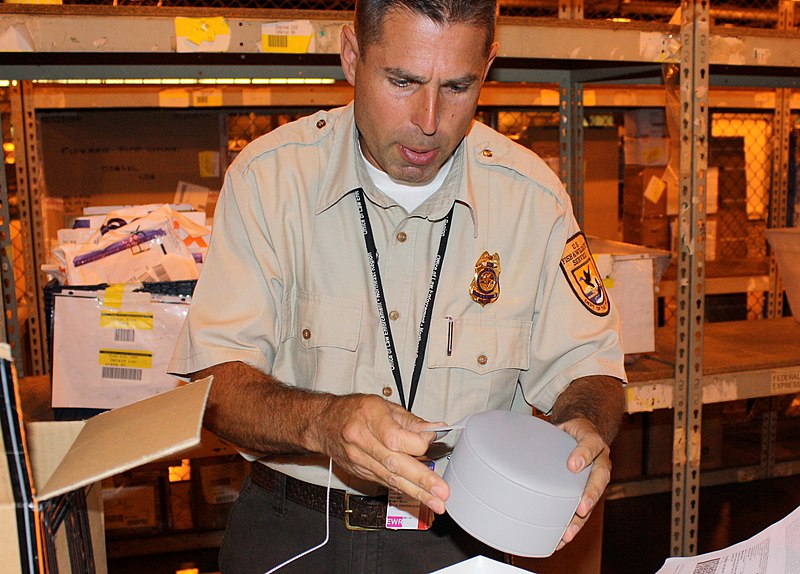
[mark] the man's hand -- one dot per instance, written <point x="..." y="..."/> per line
<point x="591" y="448"/>
<point x="365" y="435"/>
<point x="376" y="440"/>
<point x="590" y="409"/>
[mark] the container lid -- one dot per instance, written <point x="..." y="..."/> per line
<point x="509" y="482"/>
<point x="525" y="450"/>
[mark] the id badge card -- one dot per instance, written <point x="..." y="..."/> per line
<point x="406" y="513"/>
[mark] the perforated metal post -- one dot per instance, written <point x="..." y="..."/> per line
<point x="29" y="193"/>
<point x="570" y="136"/>
<point x="8" y="304"/>
<point x="691" y="273"/>
<point x="570" y="9"/>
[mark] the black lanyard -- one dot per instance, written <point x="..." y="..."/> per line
<point x="425" y="324"/>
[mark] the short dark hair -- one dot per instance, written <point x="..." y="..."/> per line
<point x="370" y="15"/>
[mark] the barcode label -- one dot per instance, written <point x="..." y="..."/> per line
<point x="125" y="335"/>
<point x="277" y="41"/>
<point x="121" y="373"/>
<point x="161" y="273"/>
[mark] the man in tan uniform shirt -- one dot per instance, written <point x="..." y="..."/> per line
<point x="300" y="318"/>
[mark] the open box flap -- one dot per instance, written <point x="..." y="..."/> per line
<point x="127" y="437"/>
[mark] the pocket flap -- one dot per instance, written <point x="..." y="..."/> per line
<point x="323" y="321"/>
<point x="480" y="346"/>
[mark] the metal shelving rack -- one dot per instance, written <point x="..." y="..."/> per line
<point x="84" y="42"/>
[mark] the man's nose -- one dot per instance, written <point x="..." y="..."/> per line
<point x="426" y="111"/>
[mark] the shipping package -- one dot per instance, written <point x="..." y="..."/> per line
<point x="112" y="347"/>
<point x="51" y="514"/>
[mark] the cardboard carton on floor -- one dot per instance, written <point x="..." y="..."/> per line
<point x="56" y="462"/>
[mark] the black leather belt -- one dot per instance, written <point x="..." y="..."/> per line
<point x="358" y="512"/>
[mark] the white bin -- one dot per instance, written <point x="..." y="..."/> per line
<point x="785" y="243"/>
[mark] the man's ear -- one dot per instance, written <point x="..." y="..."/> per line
<point x="349" y="54"/>
<point x="492" y="54"/>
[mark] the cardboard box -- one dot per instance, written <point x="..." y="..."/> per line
<point x="646" y="123"/>
<point x="215" y="487"/>
<point x="630" y="274"/>
<point x="68" y="458"/>
<point x="646" y="151"/>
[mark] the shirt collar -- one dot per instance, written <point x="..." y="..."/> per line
<point x="345" y="173"/>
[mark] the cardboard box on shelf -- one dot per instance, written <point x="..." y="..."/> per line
<point x="215" y="487"/>
<point x="644" y="192"/>
<point x="630" y="274"/>
<point x="646" y="123"/>
<point x="646" y="151"/>
<point x="66" y="459"/>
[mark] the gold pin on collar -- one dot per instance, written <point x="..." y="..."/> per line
<point x="485" y="286"/>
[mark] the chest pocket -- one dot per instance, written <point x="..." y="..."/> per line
<point x="480" y="346"/>
<point x="320" y="334"/>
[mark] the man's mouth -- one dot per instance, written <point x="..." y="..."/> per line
<point x="417" y="157"/>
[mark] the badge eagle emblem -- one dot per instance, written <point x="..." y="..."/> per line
<point x="485" y="286"/>
<point x="581" y="272"/>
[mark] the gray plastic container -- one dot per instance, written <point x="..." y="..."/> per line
<point x="509" y="482"/>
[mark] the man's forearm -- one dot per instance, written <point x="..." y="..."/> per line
<point x="255" y="411"/>
<point x="598" y="398"/>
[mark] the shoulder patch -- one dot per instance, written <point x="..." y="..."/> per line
<point x="581" y="272"/>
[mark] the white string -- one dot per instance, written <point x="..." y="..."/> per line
<point x="327" y="524"/>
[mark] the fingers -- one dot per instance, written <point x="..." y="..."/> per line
<point x="378" y="441"/>
<point x="590" y="449"/>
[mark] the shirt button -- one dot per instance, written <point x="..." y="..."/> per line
<point x="482" y="359"/>
<point x="487" y="153"/>
<point x="306" y="334"/>
<point x="394" y="315"/>
<point x="321" y="124"/>
<point x="401" y="237"/>
<point x="387" y="391"/>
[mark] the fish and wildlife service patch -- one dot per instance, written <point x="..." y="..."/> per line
<point x="485" y="287"/>
<point x="582" y="275"/>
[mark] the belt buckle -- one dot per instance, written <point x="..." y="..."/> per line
<point x="348" y="511"/>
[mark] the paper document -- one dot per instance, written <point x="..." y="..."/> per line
<point x="775" y="550"/>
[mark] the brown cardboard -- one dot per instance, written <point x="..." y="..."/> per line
<point x="65" y="456"/>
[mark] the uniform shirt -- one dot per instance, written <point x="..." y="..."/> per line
<point x="286" y="285"/>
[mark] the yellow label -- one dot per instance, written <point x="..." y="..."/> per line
<point x="120" y="320"/>
<point x="292" y="37"/>
<point x="127" y="359"/>
<point x="113" y="295"/>
<point x="199" y="30"/>
<point x="285" y="44"/>
<point x="208" y="162"/>
<point x="207" y="98"/>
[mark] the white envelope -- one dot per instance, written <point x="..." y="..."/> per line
<point x="107" y="355"/>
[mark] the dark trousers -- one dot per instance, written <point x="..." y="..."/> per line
<point x="265" y="529"/>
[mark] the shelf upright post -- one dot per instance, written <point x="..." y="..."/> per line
<point x="691" y="253"/>
<point x="29" y="190"/>
<point x="781" y="132"/>
<point x="9" y="327"/>
<point x="570" y="138"/>
<point x="570" y="9"/>
<point x="778" y="217"/>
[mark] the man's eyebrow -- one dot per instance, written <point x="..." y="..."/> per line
<point x="406" y="75"/>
